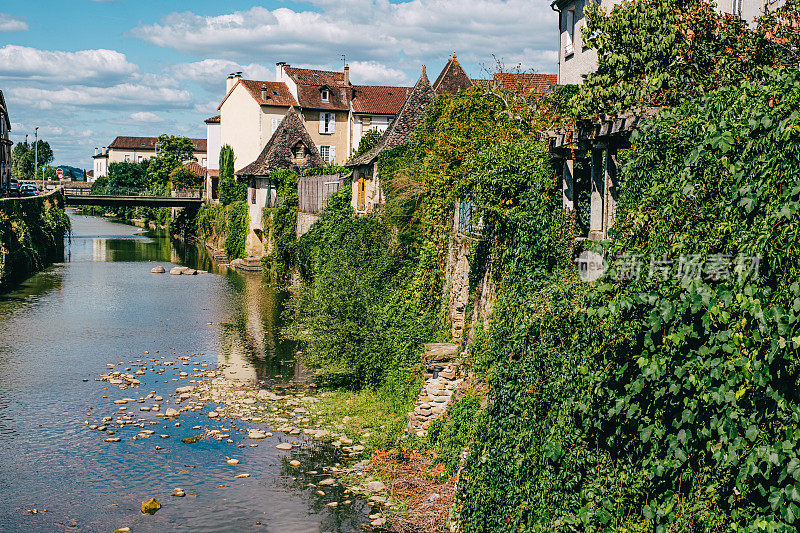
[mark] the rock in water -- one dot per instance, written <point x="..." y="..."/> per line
<point x="150" y="506"/>
<point x="192" y="440"/>
<point x="170" y="412"/>
<point x="158" y="270"/>
<point x="376" y="486"/>
<point x="284" y="446"/>
<point x="122" y="530"/>
<point x="256" y="434"/>
<point x="233" y="461"/>
<point x="327" y="482"/>
<point x="177" y="271"/>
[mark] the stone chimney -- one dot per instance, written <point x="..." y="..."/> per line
<point x="96" y="150"/>
<point x="347" y="75"/>
<point x="231" y="81"/>
<point x="264" y="93"/>
<point x="279" y="66"/>
<point x="423" y="72"/>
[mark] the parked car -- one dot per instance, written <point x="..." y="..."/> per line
<point x="13" y="188"/>
<point x="29" y="190"/>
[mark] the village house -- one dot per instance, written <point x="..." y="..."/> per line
<point x="367" y="191"/>
<point x="5" y="144"/>
<point x="135" y="150"/>
<point x="336" y="113"/>
<point x="213" y="146"/>
<point x="289" y="147"/>
<point x="575" y="59"/>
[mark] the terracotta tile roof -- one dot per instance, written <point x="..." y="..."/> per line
<point x="525" y="82"/>
<point x="197" y="168"/>
<point x="378" y="100"/>
<point x="278" y="151"/>
<point x="411" y="114"/>
<point x="452" y="78"/>
<point x="277" y="92"/>
<point x="310" y="97"/>
<point x="213" y="120"/>
<point x="212" y="172"/>
<point x="148" y="143"/>
<point x="305" y="76"/>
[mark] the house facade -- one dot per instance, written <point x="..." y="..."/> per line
<point x="5" y="144"/>
<point x="335" y="113"/>
<point x="575" y="59"/>
<point x="135" y="150"/>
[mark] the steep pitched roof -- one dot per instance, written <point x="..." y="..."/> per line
<point x="149" y="143"/>
<point x="411" y="114"/>
<point x="278" y="151"/>
<point x="277" y="92"/>
<point x="452" y="78"/>
<point x="306" y="76"/>
<point x="525" y="82"/>
<point x="378" y="100"/>
<point x="310" y="97"/>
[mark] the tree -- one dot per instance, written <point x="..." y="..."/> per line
<point x="126" y="176"/>
<point x="184" y="178"/>
<point x="23" y="159"/>
<point x="229" y="189"/>
<point x="84" y="176"/>
<point x="172" y="153"/>
<point x="368" y="142"/>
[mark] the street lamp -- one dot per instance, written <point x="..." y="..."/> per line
<point x="36" y="156"/>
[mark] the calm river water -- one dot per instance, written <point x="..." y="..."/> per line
<point x="103" y="306"/>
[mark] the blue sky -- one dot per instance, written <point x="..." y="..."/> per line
<point x="85" y="71"/>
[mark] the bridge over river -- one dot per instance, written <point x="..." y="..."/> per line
<point x="75" y="196"/>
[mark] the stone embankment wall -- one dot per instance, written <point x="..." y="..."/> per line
<point x="32" y="234"/>
<point x="440" y="387"/>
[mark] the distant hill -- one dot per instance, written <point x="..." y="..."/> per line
<point x="77" y="173"/>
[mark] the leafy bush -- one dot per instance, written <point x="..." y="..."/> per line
<point x="230" y="190"/>
<point x="238" y="227"/>
<point x="450" y="434"/>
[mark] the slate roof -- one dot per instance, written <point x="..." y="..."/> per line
<point x="378" y="100"/>
<point x="149" y="143"/>
<point x="411" y="114"/>
<point x="452" y="78"/>
<point x="525" y="82"/>
<point x="278" y="151"/>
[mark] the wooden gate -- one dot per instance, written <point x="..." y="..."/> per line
<point x="313" y="192"/>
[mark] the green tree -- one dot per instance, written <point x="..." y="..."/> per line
<point x="368" y="142"/>
<point x="172" y="153"/>
<point x="23" y="158"/>
<point x="184" y="178"/>
<point x="124" y="175"/>
<point x="230" y="190"/>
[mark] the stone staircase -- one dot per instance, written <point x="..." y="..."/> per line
<point x="440" y="387"/>
<point x="249" y="264"/>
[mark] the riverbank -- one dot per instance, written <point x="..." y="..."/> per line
<point x="31" y="235"/>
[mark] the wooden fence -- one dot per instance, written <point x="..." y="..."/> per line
<point x="313" y="192"/>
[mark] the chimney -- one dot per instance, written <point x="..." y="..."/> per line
<point x="264" y="93"/>
<point x="346" y="75"/>
<point x="423" y="73"/>
<point x="279" y="66"/>
<point x="232" y="79"/>
<point x="95" y="150"/>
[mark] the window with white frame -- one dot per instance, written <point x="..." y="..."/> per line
<point x="274" y="124"/>
<point x="127" y="158"/>
<point x="141" y="158"/>
<point x="326" y="95"/>
<point x="569" y="46"/>
<point x="327" y="153"/>
<point x="327" y="123"/>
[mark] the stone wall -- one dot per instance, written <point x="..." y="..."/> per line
<point x="304" y="222"/>
<point x="31" y="235"/>
<point x="439" y="390"/>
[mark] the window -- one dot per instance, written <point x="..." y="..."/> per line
<point x="127" y="158"/>
<point x="366" y="122"/>
<point x="274" y="125"/>
<point x="569" y="46"/>
<point x="326" y="96"/>
<point x="252" y="191"/>
<point x="141" y="158"/>
<point x="203" y="162"/>
<point x="327" y="153"/>
<point x="327" y="123"/>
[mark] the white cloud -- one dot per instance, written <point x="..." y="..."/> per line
<point x="367" y="72"/>
<point x="211" y="73"/>
<point x="101" y="67"/>
<point x="122" y="96"/>
<point x="403" y="34"/>
<point x="9" y="23"/>
<point x="146" y="117"/>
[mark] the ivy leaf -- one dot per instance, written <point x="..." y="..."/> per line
<point x="751" y="433"/>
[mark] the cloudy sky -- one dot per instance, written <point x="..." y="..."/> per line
<point x="85" y="71"/>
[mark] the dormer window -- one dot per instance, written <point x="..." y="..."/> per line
<point x="299" y="151"/>
<point x="326" y="95"/>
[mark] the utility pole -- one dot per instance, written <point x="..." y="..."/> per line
<point x="36" y="155"/>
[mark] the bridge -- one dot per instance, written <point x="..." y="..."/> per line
<point x="74" y="195"/>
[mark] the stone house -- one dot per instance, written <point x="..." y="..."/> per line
<point x="5" y="144"/>
<point x="336" y="112"/>
<point x="575" y="59"/>
<point x="136" y="150"/>
<point x="367" y="191"/>
<point x="289" y="147"/>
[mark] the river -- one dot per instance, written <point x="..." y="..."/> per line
<point x="102" y="306"/>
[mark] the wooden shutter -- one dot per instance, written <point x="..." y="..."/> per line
<point x="332" y="123"/>
<point x="569" y="46"/>
<point x="322" y="122"/>
<point x="332" y="154"/>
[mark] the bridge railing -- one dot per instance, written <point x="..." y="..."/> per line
<point x="133" y="191"/>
